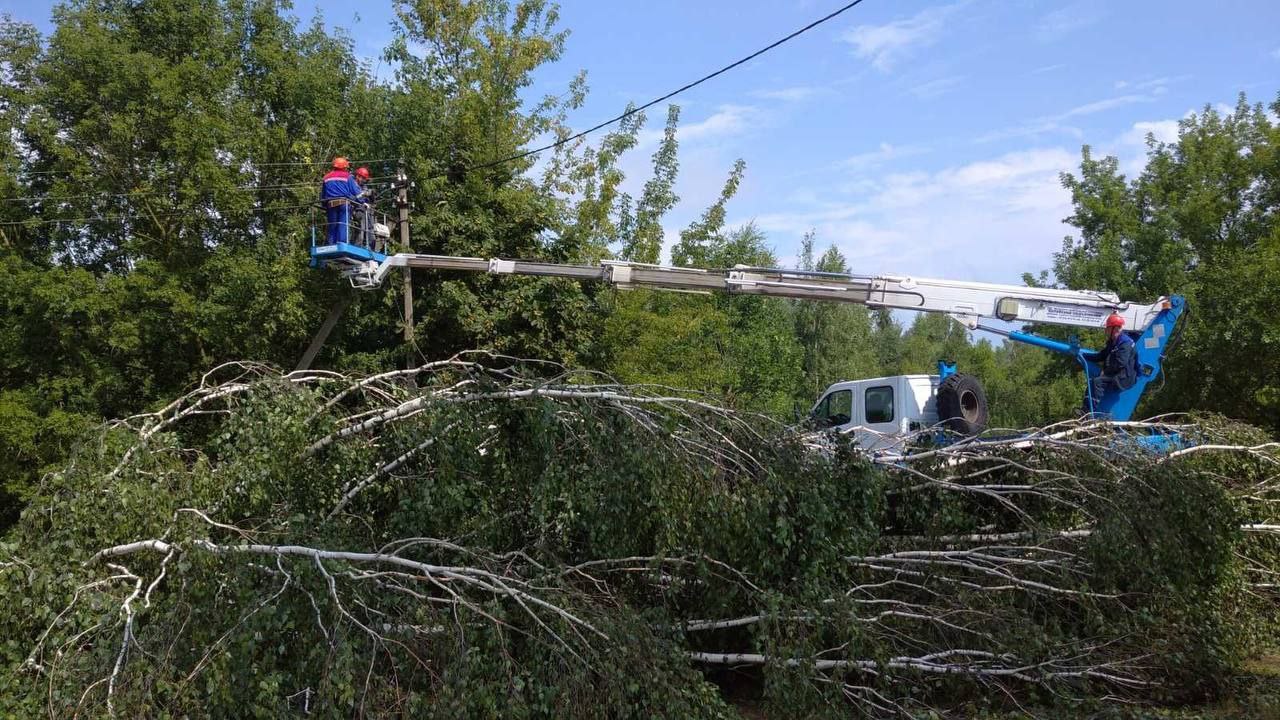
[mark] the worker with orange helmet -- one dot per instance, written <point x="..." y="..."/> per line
<point x="337" y="191"/>
<point x="1118" y="361"/>
<point x="362" y="219"/>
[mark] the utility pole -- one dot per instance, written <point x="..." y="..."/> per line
<point x="331" y="320"/>
<point x="402" y="205"/>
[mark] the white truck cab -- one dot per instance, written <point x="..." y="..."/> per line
<point x="878" y="411"/>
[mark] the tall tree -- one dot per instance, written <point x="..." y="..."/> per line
<point x="641" y="231"/>
<point x="699" y="241"/>
<point x="1201" y="220"/>
<point x="836" y="339"/>
<point x="159" y="168"/>
<point x="456" y="118"/>
<point x="741" y="348"/>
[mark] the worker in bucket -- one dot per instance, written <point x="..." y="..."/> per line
<point x="1118" y="360"/>
<point x="337" y="191"/>
<point x="362" y="215"/>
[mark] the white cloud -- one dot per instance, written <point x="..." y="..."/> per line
<point x="1031" y="129"/>
<point x="1276" y="53"/>
<point x="728" y="120"/>
<point x="789" y="94"/>
<point x="882" y="154"/>
<point x="988" y="220"/>
<point x="1057" y="123"/>
<point x="1155" y="86"/>
<point x="1164" y="131"/>
<point x="1006" y="169"/>
<point x="1158" y="84"/>
<point x="1047" y="68"/>
<point x="1102" y="105"/>
<point x="934" y="88"/>
<point x="1065" y="20"/>
<point x="885" y="45"/>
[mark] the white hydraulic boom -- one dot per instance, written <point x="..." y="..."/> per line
<point x="965" y="301"/>
<point x="1152" y="324"/>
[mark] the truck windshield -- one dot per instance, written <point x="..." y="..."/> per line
<point x="835" y="409"/>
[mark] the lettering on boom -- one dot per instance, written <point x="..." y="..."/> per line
<point x="1070" y="313"/>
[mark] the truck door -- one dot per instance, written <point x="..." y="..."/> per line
<point x="878" y="404"/>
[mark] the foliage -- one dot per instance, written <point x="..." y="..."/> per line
<point x="836" y="339"/>
<point x="161" y="158"/>
<point x="158" y="167"/>
<point x="574" y="539"/>
<point x="1200" y="221"/>
<point x="559" y="492"/>
<point x="742" y="349"/>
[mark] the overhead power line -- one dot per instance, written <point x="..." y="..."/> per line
<point x="492" y="163"/>
<point x="310" y="184"/>
<point x="668" y="96"/>
<point x="142" y="218"/>
<point x="317" y="163"/>
<point x="146" y="193"/>
<point x="325" y="162"/>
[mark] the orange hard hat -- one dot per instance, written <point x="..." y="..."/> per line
<point x="1115" y="321"/>
<point x="340" y="163"/>
<point x="362" y="173"/>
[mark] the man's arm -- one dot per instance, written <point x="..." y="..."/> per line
<point x="353" y="189"/>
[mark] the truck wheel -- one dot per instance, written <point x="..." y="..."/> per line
<point x="962" y="405"/>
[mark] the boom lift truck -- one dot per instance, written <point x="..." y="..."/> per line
<point x="877" y="408"/>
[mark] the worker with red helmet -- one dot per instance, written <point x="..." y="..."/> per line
<point x="337" y="191"/>
<point x="1118" y="361"/>
<point x="362" y="219"/>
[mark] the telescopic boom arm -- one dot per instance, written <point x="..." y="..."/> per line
<point x="1151" y="324"/>
<point x="965" y="301"/>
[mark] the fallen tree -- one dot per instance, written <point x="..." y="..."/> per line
<point x="488" y="535"/>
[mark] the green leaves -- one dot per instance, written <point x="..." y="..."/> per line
<point x="1199" y="221"/>
<point x="666" y="524"/>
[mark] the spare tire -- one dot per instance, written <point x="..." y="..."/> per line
<point x="962" y="405"/>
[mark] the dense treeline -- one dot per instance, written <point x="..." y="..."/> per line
<point x="159" y="159"/>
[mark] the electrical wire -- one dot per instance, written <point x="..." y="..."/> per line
<point x="510" y="158"/>
<point x="145" y="193"/>
<point x="325" y="162"/>
<point x="117" y="218"/>
<point x="655" y="101"/>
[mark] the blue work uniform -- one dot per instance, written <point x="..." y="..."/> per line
<point x="338" y="190"/>
<point x="1119" y="364"/>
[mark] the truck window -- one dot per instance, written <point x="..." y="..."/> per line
<point x="879" y="404"/>
<point x="835" y="409"/>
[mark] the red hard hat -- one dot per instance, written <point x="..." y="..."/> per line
<point x="362" y="173"/>
<point x="1115" y="321"/>
<point x="340" y="163"/>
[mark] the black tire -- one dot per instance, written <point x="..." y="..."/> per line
<point x="962" y="404"/>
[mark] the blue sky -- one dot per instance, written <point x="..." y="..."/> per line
<point x="919" y="137"/>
